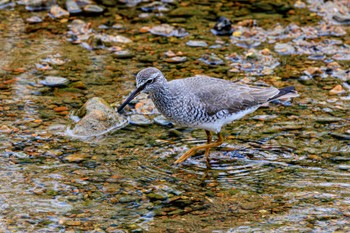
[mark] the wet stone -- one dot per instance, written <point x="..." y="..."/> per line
<point x="78" y="27"/>
<point x="327" y="120"/>
<point x="19" y="155"/>
<point x="284" y="49"/>
<point x="76" y="158"/>
<point x="223" y="27"/>
<point x="34" y="19"/>
<point x="139" y="120"/>
<point x="55" y="59"/>
<point x="168" y="30"/>
<point x="123" y="54"/>
<point x="161" y="120"/>
<point x="97" y="117"/>
<point x="176" y="59"/>
<point x="249" y="43"/>
<point x="72" y="7"/>
<point x="144" y="15"/>
<point x="344" y="167"/>
<point x="211" y="60"/>
<point x="94" y="9"/>
<point x="299" y="4"/>
<point x="264" y="117"/>
<point x="342" y="19"/>
<point x="58" y="12"/>
<point x="340" y="136"/>
<point x="157" y="196"/>
<point x="196" y="43"/>
<point x="54" y="81"/>
<point x="129" y="198"/>
<point x="338" y="89"/>
<point x="317" y="57"/>
<point x="342" y="56"/>
<point x="154" y="7"/>
<point x="112" y="38"/>
<point x="256" y="62"/>
<point x="6" y="4"/>
<point x="39" y="5"/>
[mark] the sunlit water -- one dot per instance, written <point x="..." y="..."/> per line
<point x="287" y="174"/>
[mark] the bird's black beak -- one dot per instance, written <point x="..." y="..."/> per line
<point x="131" y="97"/>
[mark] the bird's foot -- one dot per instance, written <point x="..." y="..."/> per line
<point x="186" y="155"/>
<point x="206" y="147"/>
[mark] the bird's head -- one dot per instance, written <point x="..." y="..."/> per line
<point x="148" y="80"/>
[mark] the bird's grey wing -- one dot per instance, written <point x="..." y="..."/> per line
<point x="233" y="97"/>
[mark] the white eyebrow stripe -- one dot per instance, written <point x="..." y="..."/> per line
<point x="153" y="76"/>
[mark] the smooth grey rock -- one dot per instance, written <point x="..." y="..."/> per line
<point x="54" y="81"/>
<point x="97" y="117"/>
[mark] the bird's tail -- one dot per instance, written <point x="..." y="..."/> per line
<point x="285" y="93"/>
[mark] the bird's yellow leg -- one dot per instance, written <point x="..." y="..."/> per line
<point x="207" y="147"/>
<point x="207" y="150"/>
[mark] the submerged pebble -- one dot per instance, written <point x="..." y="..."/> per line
<point x="155" y="7"/>
<point x="338" y="89"/>
<point x="342" y="19"/>
<point x="196" y="43"/>
<point x="223" y="27"/>
<point x="54" y="81"/>
<point x="97" y="117"/>
<point x="284" y="49"/>
<point x="317" y="57"/>
<point x="76" y="158"/>
<point x="34" y="19"/>
<point x="161" y="120"/>
<point x="123" y="54"/>
<point x="39" y="5"/>
<point x="58" y="12"/>
<point x="137" y="119"/>
<point x="255" y="62"/>
<point x="211" y="60"/>
<point x="176" y="59"/>
<point x="72" y="7"/>
<point x="6" y="4"/>
<point x="168" y="30"/>
<point x="94" y="9"/>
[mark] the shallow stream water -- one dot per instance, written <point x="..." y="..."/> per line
<point x="284" y="168"/>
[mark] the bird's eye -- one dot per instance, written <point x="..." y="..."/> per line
<point x="150" y="81"/>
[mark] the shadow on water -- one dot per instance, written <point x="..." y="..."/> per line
<point x="283" y="169"/>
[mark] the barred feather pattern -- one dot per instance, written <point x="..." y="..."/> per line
<point x="202" y="101"/>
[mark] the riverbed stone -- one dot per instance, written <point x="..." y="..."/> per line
<point x="78" y="157"/>
<point x="139" y="120"/>
<point x="97" y="117"/>
<point x="157" y="196"/>
<point x="54" y="81"/>
<point x="196" y="43"/>
<point x="57" y="12"/>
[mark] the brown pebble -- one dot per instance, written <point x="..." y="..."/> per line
<point x="314" y="71"/>
<point x="76" y="157"/>
<point x="144" y="29"/>
<point x="5" y="129"/>
<point x="314" y="157"/>
<point x="338" y="89"/>
<point x="60" y="109"/>
<point x="220" y="194"/>
<point x="64" y="113"/>
<point x="79" y="85"/>
<point x="73" y="223"/>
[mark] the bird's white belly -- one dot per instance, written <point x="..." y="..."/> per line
<point x="216" y="125"/>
